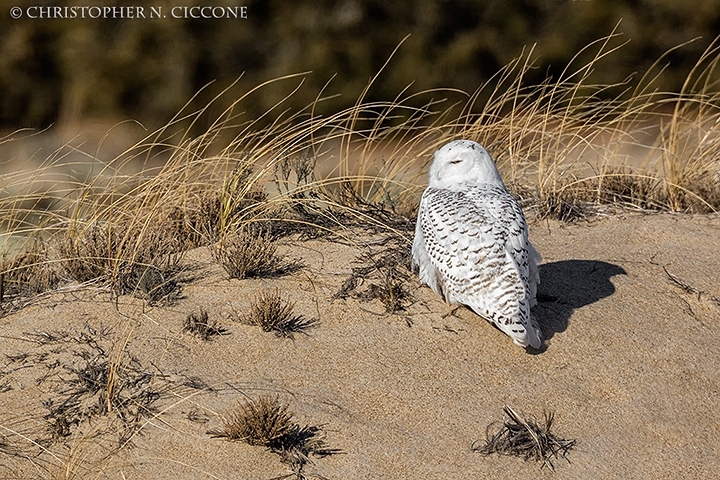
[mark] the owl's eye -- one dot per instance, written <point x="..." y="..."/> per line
<point x="455" y="162"/>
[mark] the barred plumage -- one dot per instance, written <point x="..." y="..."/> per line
<point x="471" y="242"/>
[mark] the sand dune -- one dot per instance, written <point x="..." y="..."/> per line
<point x="630" y="367"/>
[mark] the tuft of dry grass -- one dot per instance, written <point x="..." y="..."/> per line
<point x="90" y="254"/>
<point x="142" y="262"/>
<point x="197" y="221"/>
<point x="386" y="272"/>
<point x="622" y="186"/>
<point x="267" y="422"/>
<point x="251" y="252"/>
<point x="618" y="187"/>
<point x="261" y="422"/>
<point x="565" y="208"/>
<point x="243" y="198"/>
<point x="295" y="170"/>
<point x="25" y="275"/>
<point x="273" y="314"/>
<point x="153" y="283"/>
<point x="198" y="324"/>
<point x="525" y="438"/>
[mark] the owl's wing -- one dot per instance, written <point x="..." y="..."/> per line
<point x="511" y="222"/>
<point x="534" y="259"/>
<point x="476" y="240"/>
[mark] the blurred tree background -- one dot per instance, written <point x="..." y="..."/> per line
<point x="66" y="71"/>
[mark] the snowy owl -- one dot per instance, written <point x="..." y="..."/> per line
<point x="471" y="242"/>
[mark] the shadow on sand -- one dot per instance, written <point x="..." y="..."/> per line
<point x="569" y="285"/>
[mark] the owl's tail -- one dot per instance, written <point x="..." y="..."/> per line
<point x="532" y="337"/>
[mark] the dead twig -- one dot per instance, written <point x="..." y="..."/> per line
<point x="687" y="288"/>
<point x="525" y="438"/>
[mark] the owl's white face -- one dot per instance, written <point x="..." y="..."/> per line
<point x="462" y="161"/>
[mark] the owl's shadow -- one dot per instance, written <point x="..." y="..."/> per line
<point x="568" y="285"/>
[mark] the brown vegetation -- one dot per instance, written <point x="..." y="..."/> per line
<point x="273" y="314"/>
<point x="267" y="422"/>
<point x="199" y="324"/>
<point x="526" y="438"/>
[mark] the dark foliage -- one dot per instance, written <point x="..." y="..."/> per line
<point x="198" y="324"/>
<point x="385" y="273"/>
<point x="525" y="438"/>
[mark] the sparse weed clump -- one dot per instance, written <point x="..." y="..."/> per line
<point x="150" y="282"/>
<point x="196" y="222"/>
<point x="94" y="376"/>
<point x="199" y="324"/>
<point x="267" y="422"/>
<point x="251" y="252"/>
<point x="384" y="274"/>
<point x="142" y="262"/>
<point x="260" y="422"/>
<point x="273" y="314"/>
<point x="525" y="438"/>
<point x="614" y="187"/>
<point x="622" y="186"/>
<point x="25" y="275"/>
<point x="90" y="253"/>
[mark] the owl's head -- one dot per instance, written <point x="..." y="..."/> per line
<point x="462" y="161"/>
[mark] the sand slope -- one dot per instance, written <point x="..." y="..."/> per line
<point x="630" y="367"/>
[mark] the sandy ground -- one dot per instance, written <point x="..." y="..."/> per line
<point x="630" y="369"/>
